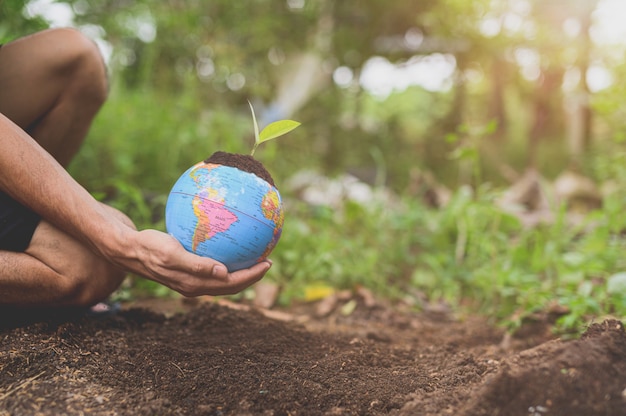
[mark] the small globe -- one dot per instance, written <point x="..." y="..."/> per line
<point x="226" y="214"/>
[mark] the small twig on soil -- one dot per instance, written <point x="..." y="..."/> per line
<point x="179" y="369"/>
<point x="20" y="386"/>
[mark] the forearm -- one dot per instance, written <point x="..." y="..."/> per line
<point x="33" y="177"/>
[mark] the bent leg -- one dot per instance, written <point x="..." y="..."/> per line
<point x="52" y="84"/>
<point x="56" y="270"/>
<point x="42" y="266"/>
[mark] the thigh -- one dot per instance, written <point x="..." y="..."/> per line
<point x="71" y="257"/>
<point x="33" y="73"/>
<point x="55" y="270"/>
<point x="62" y="252"/>
<point x="82" y="277"/>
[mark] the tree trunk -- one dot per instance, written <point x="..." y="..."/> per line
<point x="497" y="109"/>
<point x="547" y="111"/>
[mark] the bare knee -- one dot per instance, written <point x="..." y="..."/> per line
<point x="80" y="60"/>
<point x="89" y="286"/>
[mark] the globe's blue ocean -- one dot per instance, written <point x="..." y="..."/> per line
<point x="226" y="214"/>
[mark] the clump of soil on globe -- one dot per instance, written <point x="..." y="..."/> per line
<point x="245" y="163"/>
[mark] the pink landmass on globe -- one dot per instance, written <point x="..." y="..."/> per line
<point x="212" y="218"/>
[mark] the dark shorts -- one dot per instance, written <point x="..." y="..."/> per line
<point x="17" y="224"/>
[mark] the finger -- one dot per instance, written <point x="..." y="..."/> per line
<point x="203" y="267"/>
<point x="258" y="269"/>
<point x="241" y="279"/>
<point x="220" y="271"/>
<point x="195" y="285"/>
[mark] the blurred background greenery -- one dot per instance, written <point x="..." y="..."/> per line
<point x="466" y="152"/>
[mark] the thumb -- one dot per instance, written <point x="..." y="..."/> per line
<point x="220" y="271"/>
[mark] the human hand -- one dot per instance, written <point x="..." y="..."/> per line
<point x="160" y="257"/>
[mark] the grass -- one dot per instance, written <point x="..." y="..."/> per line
<point x="468" y="253"/>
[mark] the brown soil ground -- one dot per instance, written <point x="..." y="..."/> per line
<point x="220" y="358"/>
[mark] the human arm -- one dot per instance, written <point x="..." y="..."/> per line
<point x="34" y="178"/>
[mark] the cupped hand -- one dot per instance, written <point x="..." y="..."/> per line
<point x="160" y="257"/>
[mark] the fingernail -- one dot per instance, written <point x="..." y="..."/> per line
<point x="219" y="270"/>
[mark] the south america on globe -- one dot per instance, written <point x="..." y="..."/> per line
<point x="226" y="208"/>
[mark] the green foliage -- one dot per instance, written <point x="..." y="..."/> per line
<point x="468" y="253"/>
<point x="15" y="23"/>
<point x="321" y="245"/>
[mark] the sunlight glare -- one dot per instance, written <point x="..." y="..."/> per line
<point x="56" y="14"/>
<point x="608" y="27"/>
<point x="431" y="72"/>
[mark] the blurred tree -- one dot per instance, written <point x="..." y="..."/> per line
<point x="560" y="40"/>
<point x="580" y="131"/>
<point x="510" y="59"/>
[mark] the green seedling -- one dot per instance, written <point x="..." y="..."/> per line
<point x="271" y="131"/>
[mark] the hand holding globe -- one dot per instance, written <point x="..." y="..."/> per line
<point x="227" y="206"/>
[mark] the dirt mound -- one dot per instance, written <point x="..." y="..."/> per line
<point x="215" y="360"/>
<point x="245" y="163"/>
<point x="582" y="377"/>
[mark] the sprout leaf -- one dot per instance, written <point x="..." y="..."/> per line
<point x="277" y="129"/>
<point x="271" y="131"/>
